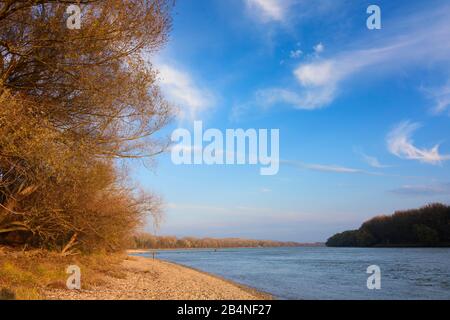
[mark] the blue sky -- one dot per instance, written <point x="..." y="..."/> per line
<point x="363" y="114"/>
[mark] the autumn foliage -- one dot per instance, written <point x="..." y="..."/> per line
<point x="149" y="241"/>
<point x="425" y="227"/>
<point x="74" y="105"/>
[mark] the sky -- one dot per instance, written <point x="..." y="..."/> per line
<point x="363" y="115"/>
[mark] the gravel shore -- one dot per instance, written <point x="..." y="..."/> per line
<point x="152" y="279"/>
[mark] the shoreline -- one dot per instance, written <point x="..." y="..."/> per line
<point x="132" y="251"/>
<point x="261" y="295"/>
<point x="143" y="278"/>
<point x="257" y="292"/>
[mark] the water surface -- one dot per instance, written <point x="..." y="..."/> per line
<point x="327" y="273"/>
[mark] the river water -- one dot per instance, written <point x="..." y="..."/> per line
<point x="327" y="273"/>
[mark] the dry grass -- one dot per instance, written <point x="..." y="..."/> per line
<point x="25" y="274"/>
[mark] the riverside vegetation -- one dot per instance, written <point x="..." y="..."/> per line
<point x="76" y="106"/>
<point x="73" y="104"/>
<point x="149" y="241"/>
<point x="428" y="226"/>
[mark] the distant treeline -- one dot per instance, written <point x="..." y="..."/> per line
<point x="428" y="226"/>
<point x="149" y="241"/>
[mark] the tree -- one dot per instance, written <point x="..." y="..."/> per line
<point x="426" y="226"/>
<point x="164" y="242"/>
<point x="426" y="235"/>
<point x="74" y="102"/>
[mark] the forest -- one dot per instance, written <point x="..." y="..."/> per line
<point x="428" y="226"/>
<point x="149" y="241"/>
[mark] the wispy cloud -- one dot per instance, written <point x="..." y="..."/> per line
<point x="371" y="160"/>
<point x="319" y="80"/>
<point x="328" y="168"/>
<point x="269" y="10"/>
<point x="430" y="43"/>
<point x="331" y="168"/>
<point x="319" y="48"/>
<point x="400" y="143"/>
<point x="295" y="54"/>
<point x="181" y="90"/>
<point x="267" y="98"/>
<point x="441" y="97"/>
<point x="423" y="190"/>
<point x="282" y="11"/>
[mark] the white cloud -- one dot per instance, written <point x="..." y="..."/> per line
<point x="430" y="43"/>
<point x="267" y="97"/>
<point x="441" y="96"/>
<point x="287" y="11"/>
<point x="269" y="10"/>
<point x="317" y="74"/>
<point x="295" y="54"/>
<point x="263" y="99"/>
<point x="371" y="161"/>
<point x="319" y="48"/>
<point x="400" y="143"/>
<point x="320" y="79"/>
<point x="180" y="89"/>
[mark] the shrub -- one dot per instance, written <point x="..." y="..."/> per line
<point x="7" y="294"/>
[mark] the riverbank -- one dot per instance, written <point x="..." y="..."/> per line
<point x="152" y="279"/>
<point x="41" y="275"/>
<point x="138" y="251"/>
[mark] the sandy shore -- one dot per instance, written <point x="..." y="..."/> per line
<point x="152" y="279"/>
